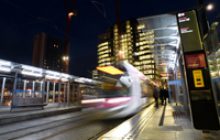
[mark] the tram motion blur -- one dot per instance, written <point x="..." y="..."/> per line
<point x="122" y="95"/>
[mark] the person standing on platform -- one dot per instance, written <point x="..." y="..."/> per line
<point x="156" y="95"/>
<point x="165" y="95"/>
<point x="162" y="95"/>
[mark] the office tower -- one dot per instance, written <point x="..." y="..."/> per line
<point x="48" y="53"/>
<point x="105" y="49"/>
<point x="148" y="43"/>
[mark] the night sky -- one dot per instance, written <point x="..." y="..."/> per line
<point x="20" y="20"/>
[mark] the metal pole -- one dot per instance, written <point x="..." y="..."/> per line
<point x="68" y="93"/>
<point x="73" y="94"/>
<point x="59" y="92"/>
<point x="48" y="88"/>
<point x="33" y="89"/>
<point x="78" y="94"/>
<point x="2" y="91"/>
<point x="24" y="88"/>
<point x="54" y="85"/>
<point x="41" y="88"/>
<point x="202" y="19"/>
<point x="14" y="89"/>
<point x="64" y="93"/>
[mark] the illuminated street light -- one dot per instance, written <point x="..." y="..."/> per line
<point x="210" y="7"/>
<point x="65" y="58"/>
<point x="71" y="14"/>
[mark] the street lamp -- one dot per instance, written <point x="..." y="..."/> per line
<point x="210" y="7"/>
<point x="71" y="14"/>
<point x="65" y="58"/>
<point x="203" y="8"/>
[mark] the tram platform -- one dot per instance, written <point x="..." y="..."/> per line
<point x="20" y="114"/>
<point x="168" y="122"/>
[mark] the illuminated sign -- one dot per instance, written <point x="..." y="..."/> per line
<point x="198" y="78"/>
<point x="201" y="96"/>
<point x="196" y="60"/>
<point x="110" y="70"/>
<point x="189" y="31"/>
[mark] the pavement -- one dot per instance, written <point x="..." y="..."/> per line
<point x="168" y="122"/>
<point x="20" y="114"/>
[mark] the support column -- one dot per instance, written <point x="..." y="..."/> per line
<point x="68" y="93"/>
<point x="2" y="90"/>
<point x="41" y="89"/>
<point x="48" y="88"/>
<point x="73" y="94"/>
<point x="54" y="88"/>
<point x="64" y="93"/>
<point x="33" y="89"/>
<point x="78" y="94"/>
<point x="59" y="92"/>
<point x="14" y="89"/>
<point x="24" y="88"/>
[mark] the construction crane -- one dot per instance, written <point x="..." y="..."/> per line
<point x="70" y="11"/>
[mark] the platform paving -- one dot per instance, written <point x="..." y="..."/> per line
<point x="168" y="122"/>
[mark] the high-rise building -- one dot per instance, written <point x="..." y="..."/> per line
<point x="149" y="43"/>
<point x="48" y="53"/>
<point x="105" y="49"/>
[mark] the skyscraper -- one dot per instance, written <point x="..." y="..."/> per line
<point x="48" y="53"/>
<point x="149" y="43"/>
<point x="105" y="49"/>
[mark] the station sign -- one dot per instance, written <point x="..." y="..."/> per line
<point x="189" y="31"/>
<point x="202" y="99"/>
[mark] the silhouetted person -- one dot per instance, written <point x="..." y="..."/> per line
<point x="162" y="92"/>
<point x="156" y="95"/>
<point x="163" y="96"/>
<point x="166" y="95"/>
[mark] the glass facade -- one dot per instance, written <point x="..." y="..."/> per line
<point x="149" y="43"/>
<point x="104" y="50"/>
<point x="158" y="45"/>
<point x="213" y="47"/>
<point x="214" y="63"/>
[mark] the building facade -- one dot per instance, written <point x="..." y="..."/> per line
<point x="150" y="44"/>
<point x="49" y="53"/>
<point x="105" y="49"/>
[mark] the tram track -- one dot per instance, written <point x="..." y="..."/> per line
<point x="47" y="128"/>
<point x="19" y="130"/>
<point x="50" y="128"/>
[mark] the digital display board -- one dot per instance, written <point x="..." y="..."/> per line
<point x="189" y="31"/>
<point x="197" y="73"/>
<point x="196" y="60"/>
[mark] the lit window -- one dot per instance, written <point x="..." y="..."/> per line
<point x="141" y="26"/>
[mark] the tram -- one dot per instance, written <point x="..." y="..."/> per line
<point x="123" y="96"/>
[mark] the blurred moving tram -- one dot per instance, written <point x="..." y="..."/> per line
<point x="123" y="91"/>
